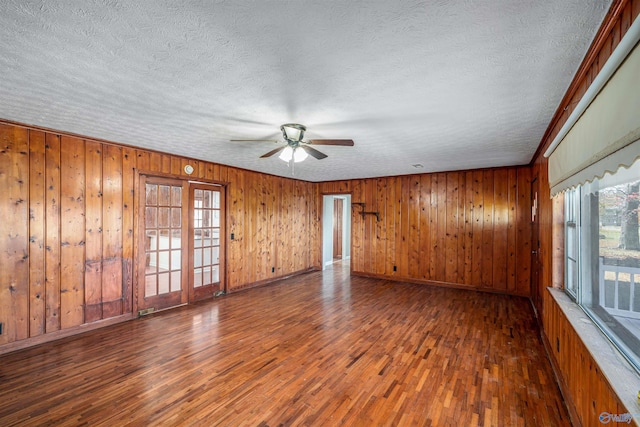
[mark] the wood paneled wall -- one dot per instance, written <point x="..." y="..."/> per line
<point x="591" y="394"/>
<point x="67" y="227"/>
<point x="467" y="229"/>
<point x="578" y="373"/>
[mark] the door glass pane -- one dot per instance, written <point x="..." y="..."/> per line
<point x="163" y="241"/>
<point x="176" y="196"/>
<point x="151" y="217"/>
<point x="163" y="217"/>
<point x="151" y="243"/>
<point x="163" y="283"/>
<point x="176" y="276"/>
<point x="176" y="238"/>
<point x="216" y="200"/>
<point x="197" y="277"/>
<point x="215" y="254"/>
<point x="215" y="274"/>
<point x="150" y="285"/>
<point x="197" y="258"/>
<point x="164" y="195"/>
<point x="152" y="194"/>
<point x="176" y="217"/>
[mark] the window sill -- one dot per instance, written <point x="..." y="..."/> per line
<point x="622" y="377"/>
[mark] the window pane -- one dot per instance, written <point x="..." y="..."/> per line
<point x="608" y="256"/>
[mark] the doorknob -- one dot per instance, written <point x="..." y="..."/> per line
<point x="534" y="252"/>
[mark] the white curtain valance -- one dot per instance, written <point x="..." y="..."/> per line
<point x="607" y="135"/>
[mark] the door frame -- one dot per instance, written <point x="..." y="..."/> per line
<point x="136" y="227"/>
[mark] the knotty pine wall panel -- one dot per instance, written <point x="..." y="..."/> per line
<point x="14" y="249"/>
<point x="67" y="246"/>
<point x="589" y="391"/>
<point x="467" y="229"/>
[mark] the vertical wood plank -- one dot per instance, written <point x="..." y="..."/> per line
<point x="451" y="228"/>
<point x="382" y="238"/>
<point x="52" y="232"/>
<point x="399" y="220"/>
<point x="433" y="228"/>
<point x="487" y="229"/>
<point x="500" y="229"/>
<point x="356" y="228"/>
<point x="512" y="230"/>
<point x="425" y="210"/>
<point x="14" y="232"/>
<point x="469" y="229"/>
<point x="93" y="221"/>
<point x="441" y="266"/>
<point x="155" y="161"/>
<point x="128" y="185"/>
<point x="461" y="228"/>
<point x="413" y="238"/>
<point x="112" y="230"/>
<point x="37" y="202"/>
<point x="523" y="221"/>
<point x="72" y="231"/>
<point x="392" y="230"/>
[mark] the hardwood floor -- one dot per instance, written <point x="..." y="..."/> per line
<point x="318" y="349"/>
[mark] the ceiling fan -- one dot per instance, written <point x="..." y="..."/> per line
<point x="297" y="149"/>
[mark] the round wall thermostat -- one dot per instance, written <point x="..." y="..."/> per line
<point x="188" y="169"/>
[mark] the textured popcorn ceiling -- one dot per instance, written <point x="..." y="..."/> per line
<point x="447" y="84"/>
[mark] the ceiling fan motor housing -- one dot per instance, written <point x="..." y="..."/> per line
<point x="293" y="132"/>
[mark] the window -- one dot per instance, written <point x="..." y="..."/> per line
<point x="572" y="243"/>
<point x="602" y="255"/>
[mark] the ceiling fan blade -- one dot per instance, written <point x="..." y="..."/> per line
<point x="344" y="142"/>
<point x="254" y="140"/>
<point x="272" y="152"/>
<point x="312" y="151"/>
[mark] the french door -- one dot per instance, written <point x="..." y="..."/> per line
<point x="206" y="245"/>
<point x="162" y="264"/>
<point x="180" y="242"/>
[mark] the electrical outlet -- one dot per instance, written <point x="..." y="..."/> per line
<point x="1" y="329"/>
<point x="233" y="236"/>
<point x="273" y="269"/>
<point x="395" y="268"/>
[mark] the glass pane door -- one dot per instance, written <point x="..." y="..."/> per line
<point x="206" y="242"/>
<point x="163" y="231"/>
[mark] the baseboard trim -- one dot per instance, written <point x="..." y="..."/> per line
<point x="64" y="333"/>
<point x="436" y="283"/>
<point x="270" y="280"/>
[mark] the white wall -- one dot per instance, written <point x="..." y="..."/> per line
<point x="327" y="228"/>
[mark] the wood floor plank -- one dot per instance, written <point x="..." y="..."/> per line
<point x="319" y="349"/>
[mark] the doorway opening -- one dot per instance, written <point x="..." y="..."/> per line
<point x="336" y="228"/>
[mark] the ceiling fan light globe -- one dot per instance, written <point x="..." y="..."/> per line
<point x="287" y="154"/>
<point x="299" y="155"/>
